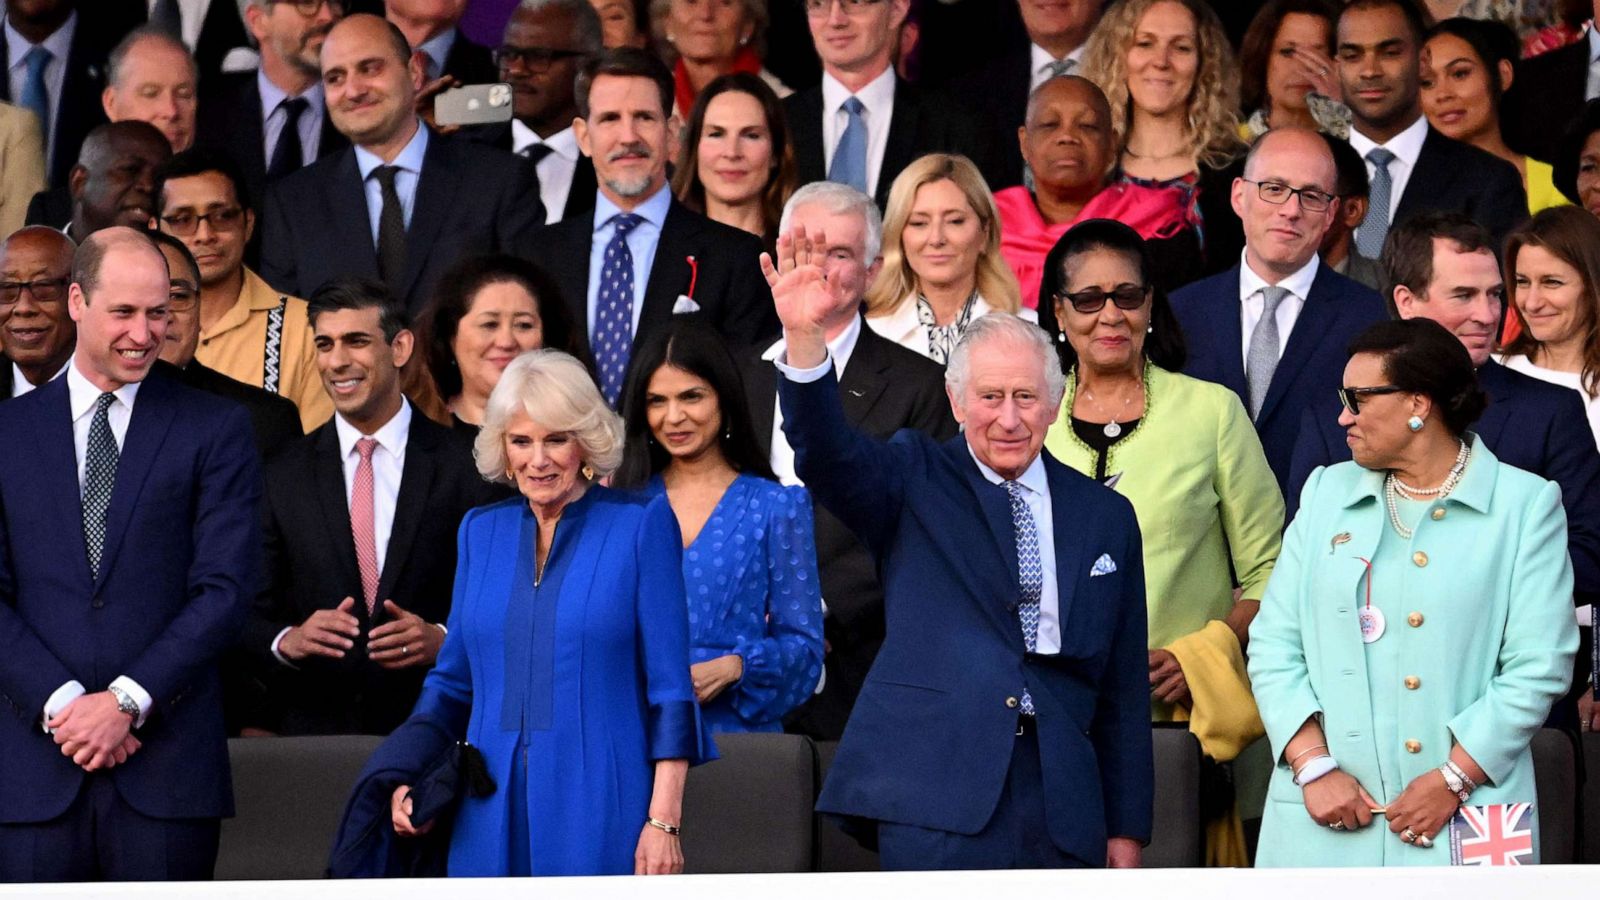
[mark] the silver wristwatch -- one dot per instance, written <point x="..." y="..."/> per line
<point x="1455" y="783"/>
<point x="125" y="703"/>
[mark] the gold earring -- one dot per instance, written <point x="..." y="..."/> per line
<point x="588" y="472"/>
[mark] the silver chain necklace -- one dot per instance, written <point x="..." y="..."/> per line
<point x="1111" y="429"/>
<point x="1394" y="489"/>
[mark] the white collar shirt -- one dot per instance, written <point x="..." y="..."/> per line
<point x="21" y="385"/>
<point x="877" y="98"/>
<point x="839" y="350"/>
<point x="273" y="119"/>
<point x="1036" y="492"/>
<point x="191" y="19"/>
<point x="59" y="44"/>
<point x="1406" y="147"/>
<point x="642" y="242"/>
<point x="409" y="161"/>
<point x="1252" y="302"/>
<point x="82" y="396"/>
<point x="1041" y="64"/>
<point x="388" y="463"/>
<point x="555" y="170"/>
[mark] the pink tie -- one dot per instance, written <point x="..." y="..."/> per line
<point x="362" y="526"/>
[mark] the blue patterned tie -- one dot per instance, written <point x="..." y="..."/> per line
<point x="849" y="164"/>
<point x="99" y="476"/>
<point x="35" y="95"/>
<point x="613" y="314"/>
<point x="1031" y="572"/>
<point x="1375" y="227"/>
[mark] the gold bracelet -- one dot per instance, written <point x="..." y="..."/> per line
<point x="1304" y="752"/>
<point x="654" y="822"/>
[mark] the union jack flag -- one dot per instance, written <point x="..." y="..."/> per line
<point x="1500" y="834"/>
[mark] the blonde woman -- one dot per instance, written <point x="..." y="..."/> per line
<point x="1168" y="71"/>
<point x="942" y="268"/>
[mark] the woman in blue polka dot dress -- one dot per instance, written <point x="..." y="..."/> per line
<point x="749" y="556"/>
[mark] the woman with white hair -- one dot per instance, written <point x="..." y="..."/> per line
<point x="567" y="659"/>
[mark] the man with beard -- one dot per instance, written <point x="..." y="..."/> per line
<point x="274" y="121"/>
<point x="37" y="332"/>
<point x="114" y="178"/>
<point x="404" y="202"/>
<point x="639" y="255"/>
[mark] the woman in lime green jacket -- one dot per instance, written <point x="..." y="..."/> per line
<point x="1418" y="626"/>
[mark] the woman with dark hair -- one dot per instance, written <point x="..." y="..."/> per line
<point x="1287" y="75"/>
<point x="738" y="165"/>
<point x="749" y="556"/>
<point x="487" y="311"/>
<point x="1419" y="625"/>
<point x="1467" y="65"/>
<point x="1552" y="265"/>
<point x="1184" y="453"/>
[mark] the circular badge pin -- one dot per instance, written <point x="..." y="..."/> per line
<point x="1372" y="624"/>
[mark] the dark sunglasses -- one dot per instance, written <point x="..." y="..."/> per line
<point x="1092" y="300"/>
<point x="1350" y="398"/>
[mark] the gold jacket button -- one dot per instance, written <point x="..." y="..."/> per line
<point x="1414" y="620"/>
<point x="1420" y="558"/>
<point x="1413" y="682"/>
<point x="1438" y="514"/>
<point x="1012" y="703"/>
<point x="1413" y="746"/>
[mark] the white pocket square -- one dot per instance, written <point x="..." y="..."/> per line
<point x="1103" y="566"/>
<point x="684" y="305"/>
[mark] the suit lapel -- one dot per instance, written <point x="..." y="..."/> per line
<point x="332" y="141"/>
<point x="996" y="506"/>
<point x="346" y="202"/>
<point x="580" y="196"/>
<point x="865" y="378"/>
<point x="1431" y="178"/>
<point x="416" y="478"/>
<point x="328" y="486"/>
<point x="1072" y="554"/>
<point x="570" y="263"/>
<point x="1492" y="378"/>
<point x="249" y="137"/>
<point x="669" y="271"/>
<point x="147" y="428"/>
<point x="436" y="189"/>
<point x="1305" y="340"/>
<point x="761" y="389"/>
<point x="900" y="147"/>
<point x="806" y="126"/>
<point x="1230" y="336"/>
<point x="60" y="473"/>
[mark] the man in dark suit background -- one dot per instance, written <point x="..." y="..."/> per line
<point x="130" y="545"/>
<point x="1005" y="722"/>
<point x="863" y="125"/>
<point x="1548" y="96"/>
<point x="275" y="120"/>
<point x="623" y="267"/>
<point x="884" y="388"/>
<point x="114" y="180"/>
<point x="361" y="517"/>
<point x="432" y="29"/>
<point x="1412" y="168"/>
<point x="1274" y="327"/>
<point x="35" y="329"/>
<point x="402" y="204"/>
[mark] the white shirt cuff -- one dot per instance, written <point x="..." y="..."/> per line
<point x="1586" y="615"/>
<point x="139" y="695"/>
<point x="58" y="701"/>
<point x="278" y="655"/>
<point x="803" y="376"/>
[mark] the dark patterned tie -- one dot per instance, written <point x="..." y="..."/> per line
<point x="287" y="155"/>
<point x="535" y="153"/>
<point x="1031" y="574"/>
<point x="99" y="477"/>
<point x="391" y="230"/>
<point x="613" y="309"/>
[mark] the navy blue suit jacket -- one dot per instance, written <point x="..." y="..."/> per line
<point x="1531" y="424"/>
<point x="1311" y="368"/>
<point x="179" y="567"/>
<point x="931" y="737"/>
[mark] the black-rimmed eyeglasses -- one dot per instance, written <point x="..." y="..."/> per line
<point x="45" y="290"/>
<point x="1278" y="193"/>
<point x="1350" y="397"/>
<point x="309" y="8"/>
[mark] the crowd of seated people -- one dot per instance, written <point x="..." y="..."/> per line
<point x="973" y="383"/>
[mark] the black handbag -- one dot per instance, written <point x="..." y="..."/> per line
<point x="454" y="774"/>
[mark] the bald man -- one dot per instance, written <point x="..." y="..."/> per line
<point x="37" y="333"/>
<point x="114" y="180"/>
<point x="1274" y="328"/>
<point x="129" y="547"/>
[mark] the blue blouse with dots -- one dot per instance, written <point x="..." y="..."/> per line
<point x="751" y="580"/>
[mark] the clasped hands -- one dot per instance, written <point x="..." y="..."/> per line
<point x="93" y="733"/>
<point x="404" y="641"/>
<point x="1424" y="808"/>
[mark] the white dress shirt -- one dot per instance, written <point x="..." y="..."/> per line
<point x="55" y="73"/>
<point x="1041" y="64"/>
<point x="405" y="182"/>
<point x="1592" y="84"/>
<point x="191" y="15"/>
<point x="81" y="398"/>
<point x="839" y="350"/>
<point x="1252" y="302"/>
<point x="21" y="385"/>
<point x="555" y="170"/>
<point x="273" y="119"/>
<point x="877" y="98"/>
<point x="1406" y="147"/>
<point x="1037" y="486"/>
<point x="642" y="242"/>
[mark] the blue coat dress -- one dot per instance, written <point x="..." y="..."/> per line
<point x="571" y="688"/>
<point x="751" y="579"/>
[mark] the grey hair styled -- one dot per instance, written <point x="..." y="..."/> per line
<point x="116" y="62"/>
<point x="555" y="390"/>
<point x="1003" y="326"/>
<point x="585" y="21"/>
<point x="840" y="199"/>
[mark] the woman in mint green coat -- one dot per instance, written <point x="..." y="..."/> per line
<point x="1418" y="626"/>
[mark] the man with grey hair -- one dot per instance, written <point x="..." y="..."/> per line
<point x="1005" y="721"/>
<point x="884" y="388"/>
<point x="150" y="76"/>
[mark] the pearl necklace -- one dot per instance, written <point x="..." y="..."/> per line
<point x="1112" y="429"/>
<point x="1394" y="489"/>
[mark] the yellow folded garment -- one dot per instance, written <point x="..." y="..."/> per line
<point x="1223" y="715"/>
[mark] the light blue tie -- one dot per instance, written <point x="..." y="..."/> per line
<point x="1375" y="227"/>
<point x="613" y="315"/>
<point x="35" y="95"/>
<point x="1031" y="574"/>
<point x="849" y="164"/>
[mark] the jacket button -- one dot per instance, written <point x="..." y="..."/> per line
<point x="1012" y="703"/>
<point x="1414" y="620"/>
<point x="1438" y="514"/>
<point x="98" y="603"/>
<point x="1413" y="682"/>
<point x="1413" y="746"/>
<point x="1420" y="558"/>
